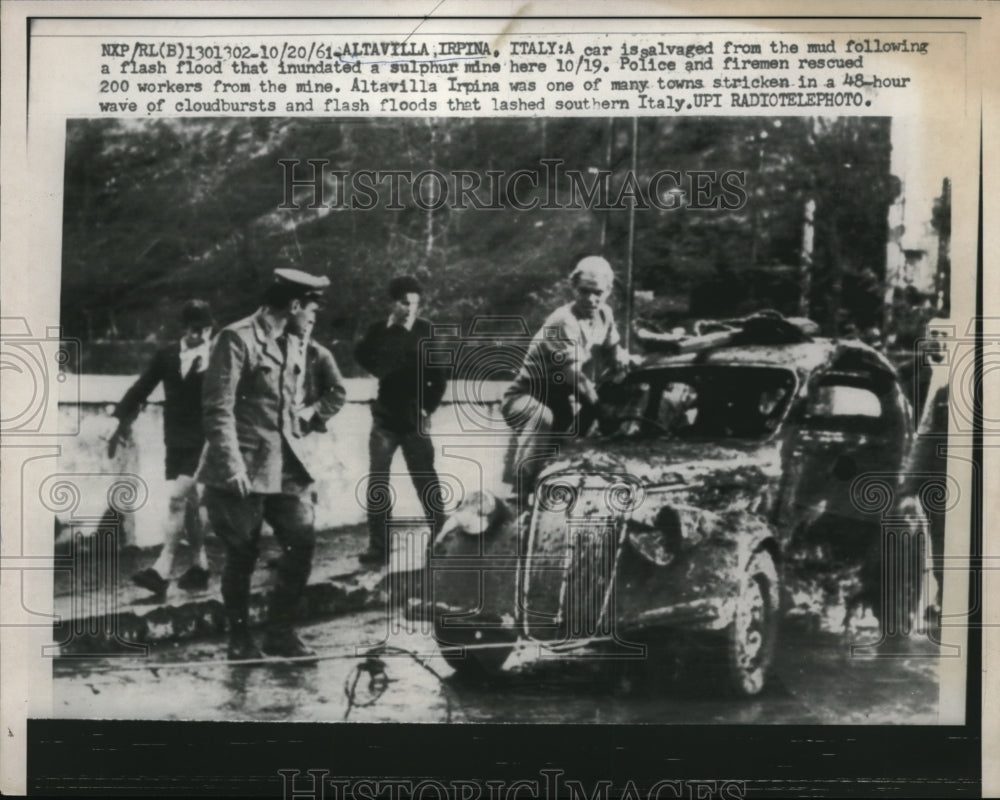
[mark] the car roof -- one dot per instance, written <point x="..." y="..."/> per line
<point x="802" y="357"/>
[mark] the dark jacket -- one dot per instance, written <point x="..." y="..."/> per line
<point x="182" y="398"/>
<point x="405" y="384"/>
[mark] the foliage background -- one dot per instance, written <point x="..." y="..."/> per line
<point x="157" y="212"/>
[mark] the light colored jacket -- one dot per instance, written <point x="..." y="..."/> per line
<point x="249" y="407"/>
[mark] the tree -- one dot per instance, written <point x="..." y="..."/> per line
<point x="160" y="211"/>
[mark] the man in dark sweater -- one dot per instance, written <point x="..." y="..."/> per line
<point x="408" y="393"/>
<point x="180" y="366"/>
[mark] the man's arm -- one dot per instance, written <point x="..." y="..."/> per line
<point x="128" y="407"/>
<point x="619" y="358"/>
<point x="435" y="383"/>
<point x="433" y="379"/>
<point x="218" y="402"/>
<point x="330" y="386"/>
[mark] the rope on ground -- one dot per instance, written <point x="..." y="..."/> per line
<point x="372" y="665"/>
<point x="375" y="667"/>
<point x="378" y="682"/>
<point x="155" y="666"/>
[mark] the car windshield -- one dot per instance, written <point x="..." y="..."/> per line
<point x="705" y="401"/>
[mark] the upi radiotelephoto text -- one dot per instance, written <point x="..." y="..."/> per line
<point x="587" y="73"/>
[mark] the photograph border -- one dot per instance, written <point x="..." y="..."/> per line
<point x="104" y="757"/>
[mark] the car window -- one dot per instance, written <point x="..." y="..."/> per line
<point x="845" y="407"/>
<point x="678" y="406"/>
<point x="712" y="402"/>
<point x="843" y="401"/>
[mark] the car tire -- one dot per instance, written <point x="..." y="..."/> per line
<point x="474" y="652"/>
<point x="752" y="635"/>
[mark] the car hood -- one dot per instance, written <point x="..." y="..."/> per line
<point x="671" y="462"/>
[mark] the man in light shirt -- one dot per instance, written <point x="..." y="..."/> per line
<point x="555" y="391"/>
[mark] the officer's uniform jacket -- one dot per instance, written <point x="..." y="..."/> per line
<point x="252" y="392"/>
<point x="322" y="387"/>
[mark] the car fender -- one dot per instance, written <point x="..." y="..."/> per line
<point x="698" y="589"/>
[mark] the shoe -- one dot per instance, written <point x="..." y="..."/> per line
<point x="194" y="580"/>
<point x="150" y="579"/>
<point x="242" y="647"/>
<point x="372" y="558"/>
<point x="285" y="644"/>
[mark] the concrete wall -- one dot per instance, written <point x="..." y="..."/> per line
<point x="468" y="434"/>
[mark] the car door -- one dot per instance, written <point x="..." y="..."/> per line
<point x="851" y="423"/>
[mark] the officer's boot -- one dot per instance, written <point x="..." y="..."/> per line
<point x="292" y="573"/>
<point x="236" y="599"/>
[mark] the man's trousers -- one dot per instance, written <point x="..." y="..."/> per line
<point x="237" y="521"/>
<point x="418" y="451"/>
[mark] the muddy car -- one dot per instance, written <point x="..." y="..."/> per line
<point x="718" y="471"/>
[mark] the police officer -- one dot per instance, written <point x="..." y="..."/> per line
<point x="254" y="465"/>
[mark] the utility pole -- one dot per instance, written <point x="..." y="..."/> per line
<point x="631" y="239"/>
<point x="806" y="257"/>
<point x="942" y="272"/>
<point x="607" y="165"/>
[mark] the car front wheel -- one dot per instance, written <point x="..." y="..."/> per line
<point x="751" y="635"/>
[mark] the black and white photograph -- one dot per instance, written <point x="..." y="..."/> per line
<point x="530" y="403"/>
<point x="535" y="420"/>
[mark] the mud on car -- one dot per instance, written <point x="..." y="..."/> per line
<point x="717" y="473"/>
